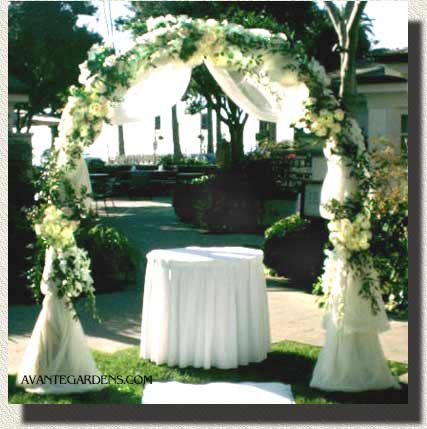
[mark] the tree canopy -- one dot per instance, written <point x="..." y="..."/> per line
<point x="45" y="48"/>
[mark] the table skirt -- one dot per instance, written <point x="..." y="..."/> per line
<point x="205" y="315"/>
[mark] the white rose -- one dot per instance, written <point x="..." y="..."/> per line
<point x="109" y="61"/>
<point x="334" y="237"/>
<point x="211" y="22"/>
<point x="312" y="117"/>
<point x="339" y="114"/>
<point x="95" y="109"/>
<point x="310" y="101"/>
<point x="336" y="128"/>
<point x="321" y="131"/>
<point x="100" y="87"/>
<point x="345" y="225"/>
<point x="84" y="131"/>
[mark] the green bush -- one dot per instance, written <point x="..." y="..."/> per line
<point x="222" y="203"/>
<point x="389" y="209"/>
<point x="283" y="226"/>
<point x="20" y="251"/>
<point x="114" y="260"/>
<point x="293" y="248"/>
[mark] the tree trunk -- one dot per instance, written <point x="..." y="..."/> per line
<point x="346" y="23"/>
<point x="121" y="141"/>
<point x="210" y="131"/>
<point x="218" y="127"/>
<point x="177" y="154"/>
<point x="237" y="151"/>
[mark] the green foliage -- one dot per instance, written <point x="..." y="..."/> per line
<point x="45" y="49"/>
<point x="289" y="224"/>
<point x="114" y="260"/>
<point x="169" y="160"/>
<point x="202" y="180"/>
<point x="222" y="203"/>
<point x="389" y="246"/>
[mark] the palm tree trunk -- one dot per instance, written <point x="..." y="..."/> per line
<point x="177" y="154"/>
<point x="218" y="126"/>
<point x="121" y="141"/>
<point x="210" y="131"/>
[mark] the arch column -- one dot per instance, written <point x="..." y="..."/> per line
<point x="352" y="359"/>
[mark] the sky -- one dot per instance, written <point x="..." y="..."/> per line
<point x="390" y="28"/>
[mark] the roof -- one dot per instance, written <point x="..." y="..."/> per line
<point x="372" y="72"/>
<point x="15" y="86"/>
<point x="390" y="56"/>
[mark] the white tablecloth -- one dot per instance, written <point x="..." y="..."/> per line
<point x="205" y="307"/>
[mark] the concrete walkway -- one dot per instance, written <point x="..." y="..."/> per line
<point x="150" y="224"/>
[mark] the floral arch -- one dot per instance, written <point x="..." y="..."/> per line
<point x="271" y="78"/>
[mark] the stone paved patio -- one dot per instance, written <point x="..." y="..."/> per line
<point x="294" y="315"/>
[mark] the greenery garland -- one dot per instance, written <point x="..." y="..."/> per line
<point x="105" y="79"/>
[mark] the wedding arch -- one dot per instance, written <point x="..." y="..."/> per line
<point x="271" y="78"/>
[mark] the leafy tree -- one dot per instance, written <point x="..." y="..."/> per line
<point x="302" y="21"/>
<point x="45" y="48"/>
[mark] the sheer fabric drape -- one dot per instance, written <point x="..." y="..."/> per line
<point x="352" y="359"/>
<point x="57" y="346"/>
<point x="158" y="89"/>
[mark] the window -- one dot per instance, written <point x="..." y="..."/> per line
<point x="404" y="133"/>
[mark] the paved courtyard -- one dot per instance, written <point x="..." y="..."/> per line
<point x="150" y="224"/>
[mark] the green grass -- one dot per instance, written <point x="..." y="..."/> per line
<point x="289" y="362"/>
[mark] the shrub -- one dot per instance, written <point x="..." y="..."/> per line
<point x="293" y="248"/>
<point x="20" y="250"/>
<point x="289" y="224"/>
<point x="389" y="219"/>
<point x="114" y="260"/>
<point x="222" y="203"/>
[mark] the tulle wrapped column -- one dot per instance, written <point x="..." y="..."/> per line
<point x="352" y="359"/>
<point x="57" y="347"/>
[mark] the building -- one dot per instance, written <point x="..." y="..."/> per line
<point x="383" y="89"/>
<point x="17" y="93"/>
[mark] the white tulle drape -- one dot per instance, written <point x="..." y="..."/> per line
<point x="156" y="90"/>
<point x="57" y="346"/>
<point x="352" y="359"/>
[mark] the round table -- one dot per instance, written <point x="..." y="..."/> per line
<point x="205" y="307"/>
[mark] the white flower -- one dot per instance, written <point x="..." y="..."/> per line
<point x="99" y="87"/>
<point x="84" y="131"/>
<point x="97" y="109"/>
<point x="321" y="131"/>
<point x="312" y="117"/>
<point x="109" y="61"/>
<point x="339" y="114"/>
<point x="152" y="23"/>
<point x="211" y="22"/>
<point x="336" y="128"/>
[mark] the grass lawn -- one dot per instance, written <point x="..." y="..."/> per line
<point x="289" y="362"/>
